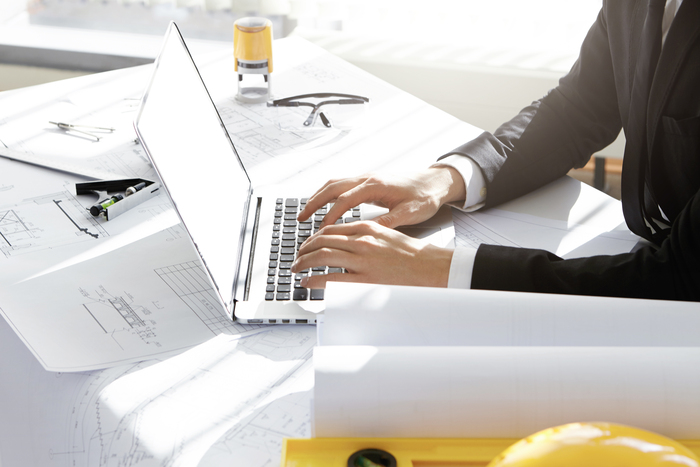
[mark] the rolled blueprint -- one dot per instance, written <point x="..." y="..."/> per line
<point x="502" y="392"/>
<point x="383" y="315"/>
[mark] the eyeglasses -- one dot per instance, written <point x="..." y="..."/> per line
<point x="332" y="109"/>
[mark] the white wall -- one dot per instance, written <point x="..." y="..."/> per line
<point x="482" y="87"/>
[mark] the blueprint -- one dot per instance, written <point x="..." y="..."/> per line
<point x="593" y="226"/>
<point x="228" y="399"/>
<point x="133" y="288"/>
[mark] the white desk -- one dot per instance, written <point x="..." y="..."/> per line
<point x="228" y="401"/>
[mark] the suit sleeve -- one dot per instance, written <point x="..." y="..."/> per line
<point x="556" y="133"/>
<point x="543" y="142"/>
<point x="671" y="272"/>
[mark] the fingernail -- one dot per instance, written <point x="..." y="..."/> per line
<point x="304" y="281"/>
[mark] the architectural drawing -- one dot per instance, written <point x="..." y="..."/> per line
<point x="45" y="222"/>
<point x="189" y="282"/>
<point x="233" y="394"/>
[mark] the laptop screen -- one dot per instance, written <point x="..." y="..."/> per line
<point x="197" y="163"/>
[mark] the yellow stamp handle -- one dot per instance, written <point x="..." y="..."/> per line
<point x="252" y="41"/>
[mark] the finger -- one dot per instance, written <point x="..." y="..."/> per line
<point x="326" y="194"/>
<point x="317" y="241"/>
<point x="403" y="214"/>
<point x="340" y="236"/>
<point x="323" y="257"/>
<point x="320" y="281"/>
<point x="347" y="200"/>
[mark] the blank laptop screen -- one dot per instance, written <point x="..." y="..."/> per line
<point x="188" y="144"/>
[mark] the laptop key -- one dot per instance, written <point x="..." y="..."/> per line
<point x="284" y="281"/>
<point x="291" y="202"/>
<point x="269" y="296"/>
<point x="270" y="288"/>
<point x="301" y="294"/>
<point x="282" y="296"/>
<point x="284" y="288"/>
<point x="317" y="294"/>
<point x="272" y="272"/>
<point x="335" y="270"/>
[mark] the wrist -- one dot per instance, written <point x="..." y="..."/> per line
<point x="455" y="189"/>
<point x="438" y="264"/>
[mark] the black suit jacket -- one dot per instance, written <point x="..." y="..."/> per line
<point x="582" y="115"/>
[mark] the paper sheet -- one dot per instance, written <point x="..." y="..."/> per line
<point x="216" y="397"/>
<point x="106" y="286"/>
<point x="502" y="392"/>
<point x="381" y="315"/>
<point x="584" y="222"/>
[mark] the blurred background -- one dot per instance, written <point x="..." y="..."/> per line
<point x="480" y="60"/>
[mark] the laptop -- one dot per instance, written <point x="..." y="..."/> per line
<point x="246" y="240"/>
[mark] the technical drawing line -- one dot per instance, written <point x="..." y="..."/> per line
<point x="6" y="240"/>
<point x="93" y="317"/>
<point x="84" y="230"/>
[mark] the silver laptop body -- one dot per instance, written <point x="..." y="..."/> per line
<point x="230" y="225"/>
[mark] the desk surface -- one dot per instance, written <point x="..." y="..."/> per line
<point x="239" y="389"/>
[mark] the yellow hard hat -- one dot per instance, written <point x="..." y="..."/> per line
<point x="596" y="444"/>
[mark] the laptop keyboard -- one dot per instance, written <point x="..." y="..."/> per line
<point x="287" y="236"/>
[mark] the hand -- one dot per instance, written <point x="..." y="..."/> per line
<point x="410" y="199"/>
<point x="372" y="253"/>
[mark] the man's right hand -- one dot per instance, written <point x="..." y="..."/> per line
<point x="411" y="199"/>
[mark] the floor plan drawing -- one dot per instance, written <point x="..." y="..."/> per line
<point x="120" y="313"/>
<point x="227" y="393"/>
<point x="44" y="222"/>
<point x="189" y="282"/>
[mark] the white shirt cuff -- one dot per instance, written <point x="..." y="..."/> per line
<point x="473" y="180"/>
<point x="461" y="268"/>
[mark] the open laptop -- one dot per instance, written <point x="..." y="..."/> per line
<point x="246" y="240"/>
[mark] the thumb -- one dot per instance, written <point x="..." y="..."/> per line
<point x="393" y="218"/>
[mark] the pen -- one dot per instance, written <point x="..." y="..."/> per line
<point x="133" y="189"/>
